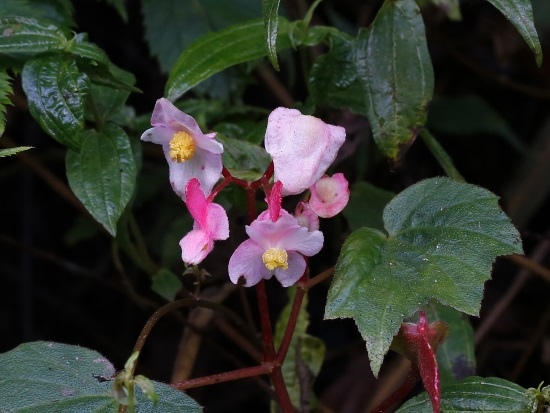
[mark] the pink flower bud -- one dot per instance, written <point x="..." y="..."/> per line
<point x="302" y="147"/>
<point x="329" y="195"/>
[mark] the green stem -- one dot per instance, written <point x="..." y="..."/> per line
<point x="131" y="402"/>
<point x="442" y="157"/>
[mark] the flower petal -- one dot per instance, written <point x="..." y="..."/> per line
<point x="247" y="262"/>
<point x="329" y="195"/>
<point x="158" y="135"/>
<point x="167" y="115"/>
<point x="195" y="246"/>
<point x="295" y="270"/>
<point x="303" y="241"/>
<point x="217" y="222"/>
<point x="306" y="217"/>
<point x="196" y="202"/>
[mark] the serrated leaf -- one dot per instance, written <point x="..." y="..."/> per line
<point x="305" y="354"/>
<point x="243" y="157"/>
<point x="27" y="37"/>
<point x="396" y="75"/>
<point x="443" y="237"/>
<point x="5" y="92"/>
<point x="270" y="10"/>
<point x="477" y="394"/>
<point x="86" y="50"/>
<point x="166" y="284"/>
<point x="455" y="356"/>
<point x="520" y="14"/>
<point x="42" y="377"/>
<point x="56" y="91"/>
<point x="102" y="174"/>
<point x="13" y="151"/>
<point x="219" y="50"/>
<point x="56" y="12"/>
<point x="365" y="206"/>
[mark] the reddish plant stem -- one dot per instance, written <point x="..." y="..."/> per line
<point x="265" y="321"/>
<point x="409" y="383"/>
<point x="265" y="368"/>
<point x="319" y="278"/>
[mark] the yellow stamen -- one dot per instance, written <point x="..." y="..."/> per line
<point x="275" y="258"/>
<point x="182" y="147"/>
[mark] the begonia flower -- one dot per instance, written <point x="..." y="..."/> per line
<point x="274" y="248"/>
<point x="302" y="148"/>
<point x="306" y="217"/>
<point x="329" y="195"/>
<point x="189" y="152"/>
<point x="210" y="224"/>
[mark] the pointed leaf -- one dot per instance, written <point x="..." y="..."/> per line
<point x="455" y="356"/>
<point x="443" y="237"/>
<point x="5" y="92"/>
<point x="13" y="151"/>
<point x="52" y="377"/>
<point x="520" y="14"/>
<point x="217" y="51"/>
<point x="56" y="91"/>
<point x="477" y="394"/>
<point x="23" y="36"/>
<point x="271" y="22"/>
<point x="103" y="173"/>
<point x="397" y="75"/>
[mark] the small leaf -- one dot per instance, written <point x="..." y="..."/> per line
<point x="217" y="51"/>
<point x="166" y="284"/>
<point x="443" y="237"/>
<point x="271" y="22"/>
<point x="52" y="377"/>
<point x="456" y="356"/>
<point x="27" y="37"/>
<point x="56" y="91"/>
<point x="87" y="50"/>
<point x="58" y="13"/>
<point x="394" y="66"/>
<point x="5" y="92"/>
<point x="477" y="394"/>
<point x="243" y="157"/>
<point x="365" y="206"/>
<point x="147" y="387"/>
<point x="103" y="174"/>
<point x="13" y="151"/>
<point x="520" y="14"/>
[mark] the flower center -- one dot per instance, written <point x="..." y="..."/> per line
<point x="327" y="189"/>
<point x="182" y="147"/>
<point x="275" y="258"/>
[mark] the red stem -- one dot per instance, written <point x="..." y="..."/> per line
<point x="226" y="376"/>
<point x="265" y="321"/>
<point x="291" y="325"/>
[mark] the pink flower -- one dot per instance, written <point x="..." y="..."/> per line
<point x="302" y="147"/>
<point x="306" y="217"/>
<point x="274" y="248"/>
<point x="189" y="152"/>
<point x="329" y="195"/>
<point x="211" y="224"/>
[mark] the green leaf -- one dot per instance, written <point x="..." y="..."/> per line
<point x="166" y="284"/>
<point x="468" y="115"/>
<point x="48" y="12"/>
<point x="242" y="157"/>
<point x="305" y="355"/>
<point x="42" y="377"/>
<point x="86" y="50"/>
<point x="443" y="237"/>
<point x="13" y="151"/>
<point x="119" y="6"/>
<point x="520" y="14"/>
<point x="396" y="74"/>
<point x="217" y="51"/>
<point x="477" y="394"/>
<point x="365" y="206"/>
<point x="56" y="91"/>
<point x="455" y="357"/>
<point x="20" y="36"/>
<point x="5" y="92"/>
<point x="103" y="174"/>
<point x="271" y="23"/>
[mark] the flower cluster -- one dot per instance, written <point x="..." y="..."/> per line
<point x="302" y="148"/>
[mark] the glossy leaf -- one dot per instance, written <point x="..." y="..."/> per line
<point x="102" y="174"/>
<point x="271" y="22"/>
<point x="396" y="74"/>
<point x="477" y="394"/>
<point x="236" y="44"/>
<point x="443" y="237"/>
<point x="305" y="355"/>
<point x="23" y="36"/>
<point x="42" y="377"/>
<point x="86" y="50"/>
<point x="5" y="92"/>
<point x="365" y="206"/>
<point x="48" y="12"/>
<point x="56" y="91"/>
<point x="456" y="356"/>
<point x="520" y="14"/>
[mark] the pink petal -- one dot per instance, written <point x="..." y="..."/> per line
<point x="217" y="222"/>
<point x="302" y="147"/>
<point x="167" y="115"/>
<point x="195" y="246"/>
<point x="296" y="268"/>
<point x="329" y="195"/>
<point x="274" y="201"/>
<point x="158" y="135"/>
<point x="196" y="202"/>
<point x="247" y="262"/>
<point x="306" y="217"/>
<point x="303" y="241"/>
